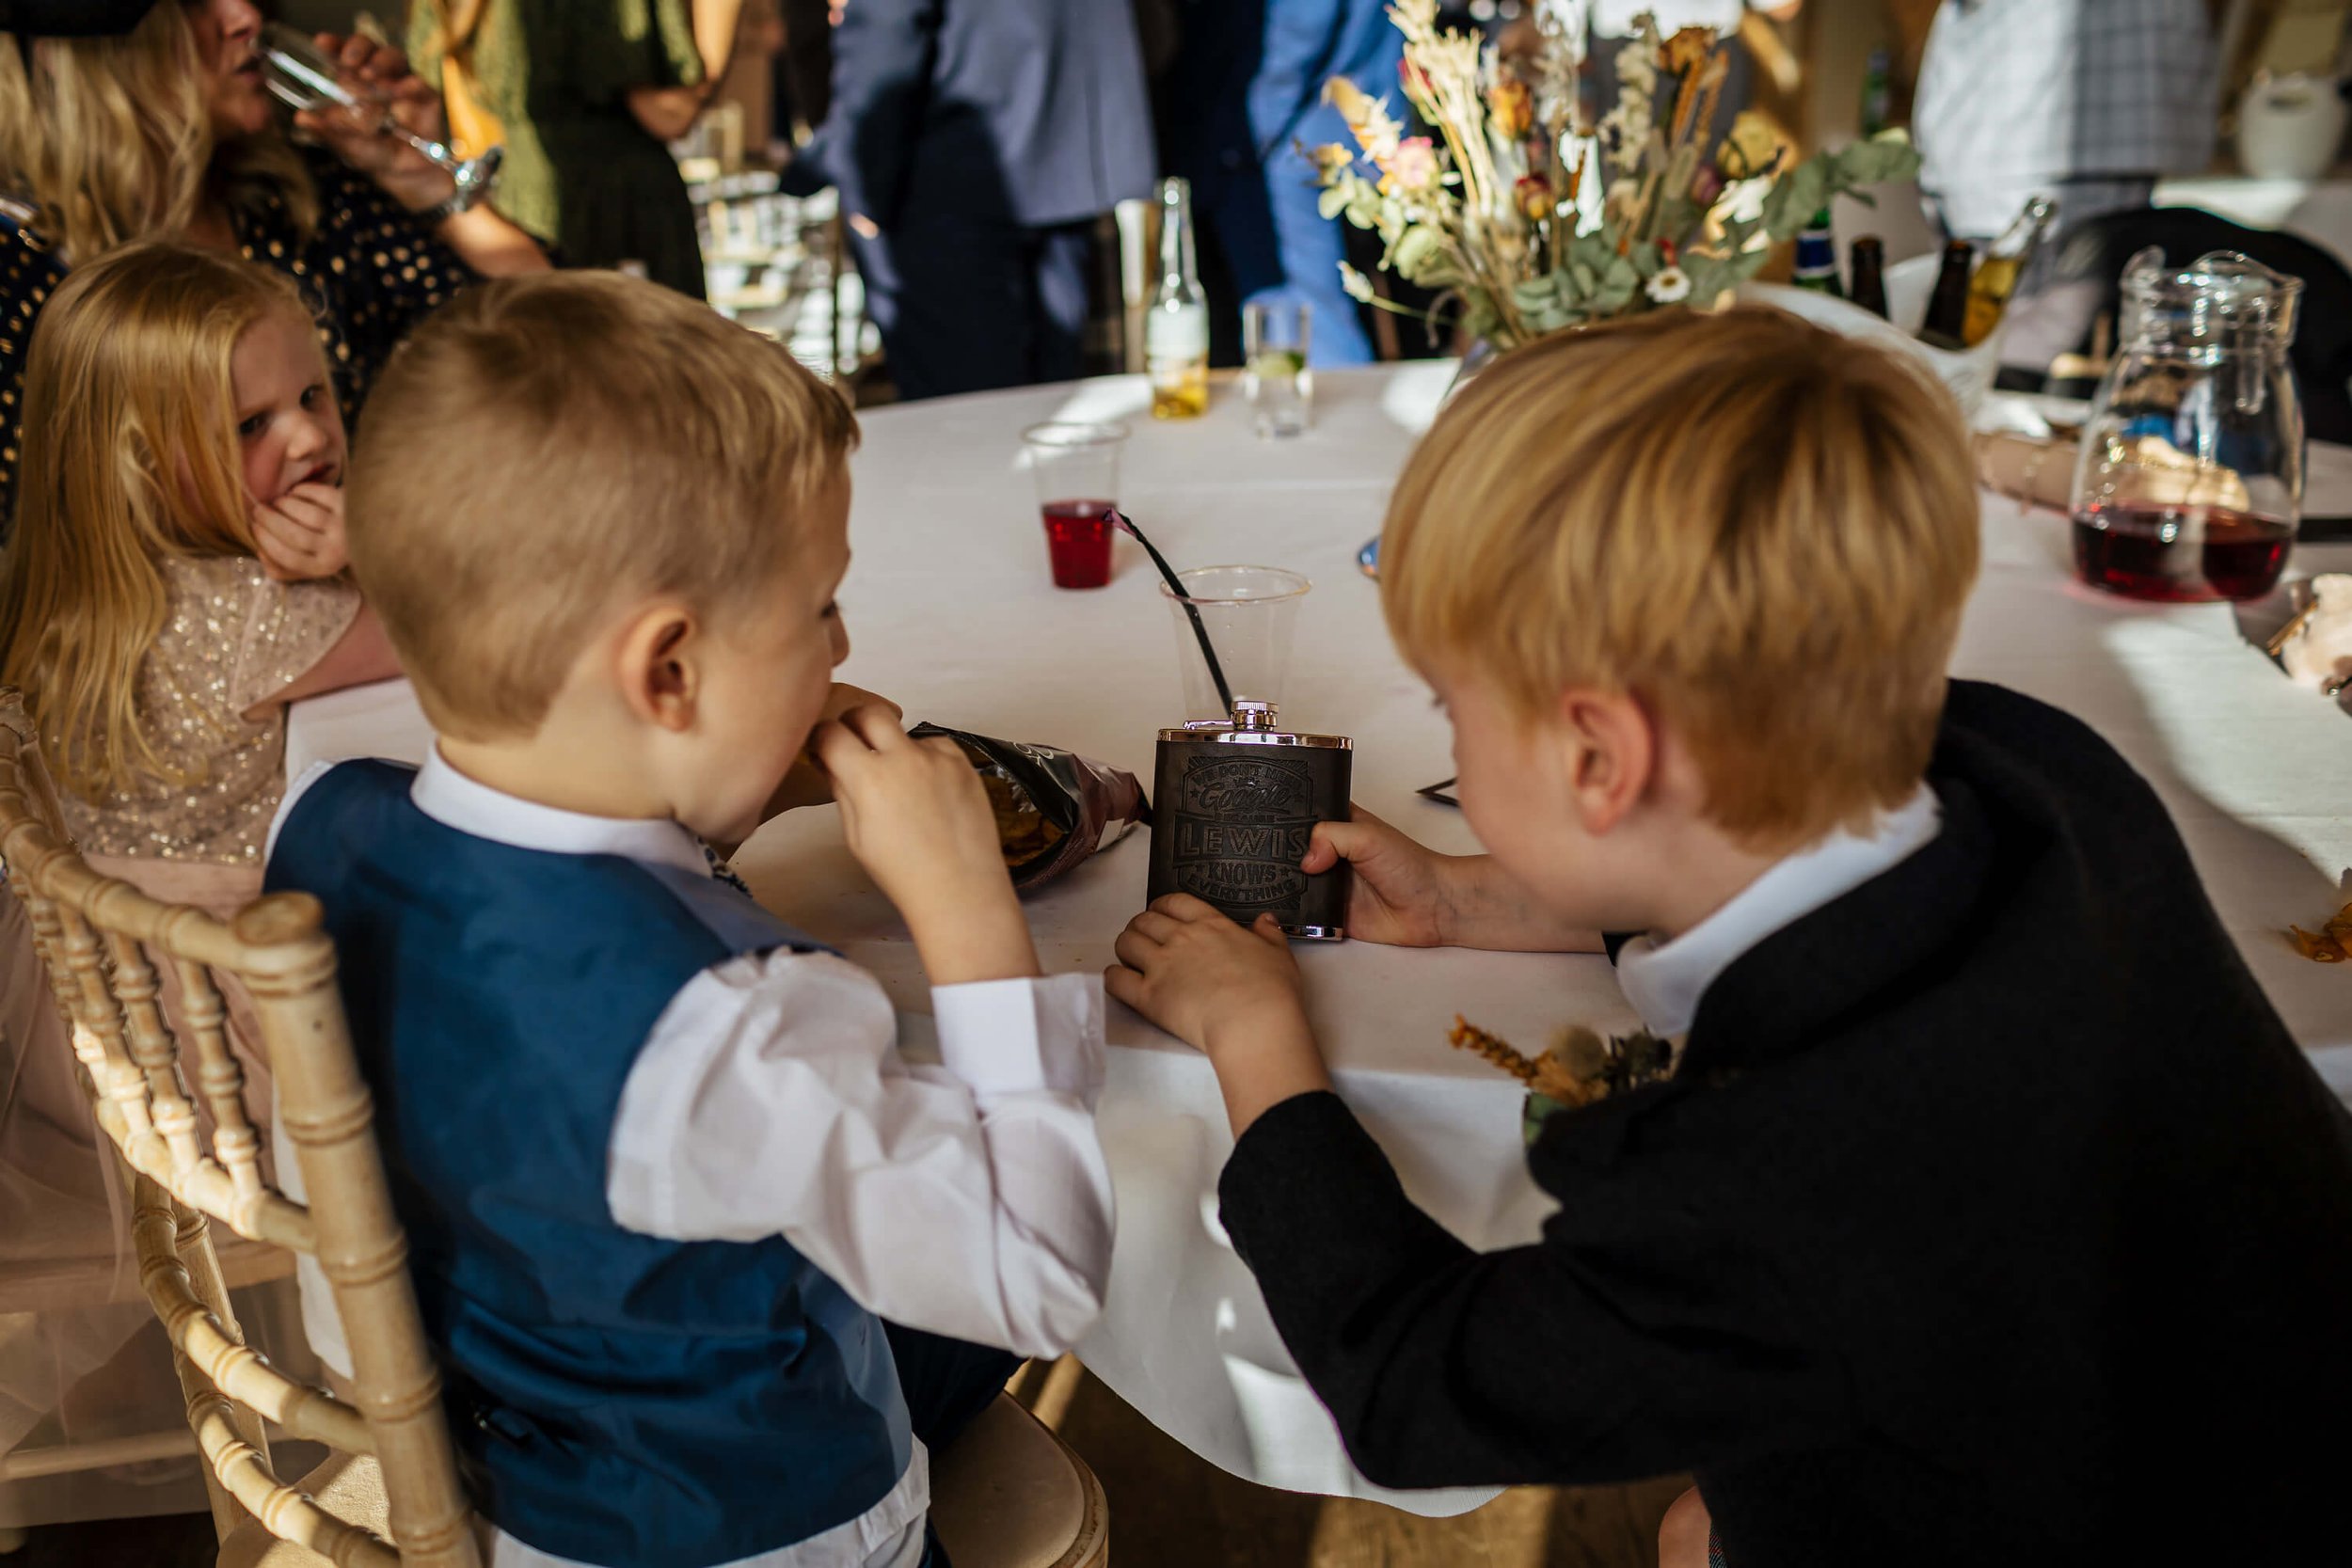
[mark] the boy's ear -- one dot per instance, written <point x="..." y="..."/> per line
<point x="1610" y="743"/>
<point x="661" y="680"/>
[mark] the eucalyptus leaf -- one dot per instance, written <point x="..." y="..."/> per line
<point x="1412" y="251"/>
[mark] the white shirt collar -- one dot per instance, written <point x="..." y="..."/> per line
<point x="454" y="801"/>
<point x="1666" y="981"/>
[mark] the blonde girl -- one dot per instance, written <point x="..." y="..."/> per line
<point x="176" y="578"/>
<point x="177" y="574"/>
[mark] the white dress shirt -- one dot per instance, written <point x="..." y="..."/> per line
<point x="2085" y="100"/>
<point x="1664" y="981"/>
<point x="970" y="1198"/>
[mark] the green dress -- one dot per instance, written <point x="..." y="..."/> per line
<point x="580" y="173"/>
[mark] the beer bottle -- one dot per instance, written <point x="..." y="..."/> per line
<point x="2005" y="263"/>
<point x="1176" y="331"/>
<point x="1867" y="272"/>
<point x="1816" y="256"/>
<point x="1948" y="307"/>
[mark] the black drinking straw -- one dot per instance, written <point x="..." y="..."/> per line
<point x="1200" y="630"/>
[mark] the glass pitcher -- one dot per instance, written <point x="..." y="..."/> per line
<point x="2189" y="483"/>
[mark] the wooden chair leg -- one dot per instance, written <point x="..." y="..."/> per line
<point x="155" y="1212"/>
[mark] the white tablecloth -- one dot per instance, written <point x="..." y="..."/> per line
<point x="950" y="612"/>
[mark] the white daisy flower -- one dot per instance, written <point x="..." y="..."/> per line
<point x="1671" y="286"/>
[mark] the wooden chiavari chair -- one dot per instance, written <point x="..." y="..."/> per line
<point x="393" y="1470"/>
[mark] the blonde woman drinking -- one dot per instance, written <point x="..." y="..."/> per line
<point x="176" y="578"/>
<point x="131" y="119"/>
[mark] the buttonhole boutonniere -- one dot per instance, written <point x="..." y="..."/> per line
<point x="1578" y="1068"/>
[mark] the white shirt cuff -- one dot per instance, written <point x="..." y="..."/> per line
<point x="1019" y="1037"/>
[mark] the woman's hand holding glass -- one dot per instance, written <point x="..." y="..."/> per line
<point x="378" y="74"/>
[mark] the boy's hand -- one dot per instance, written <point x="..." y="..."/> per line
<point x="300" y="536"/>
<point x="1230" y="990"/>
<point x="1408" y="896"/>
<point x="1197" y="974"/>
<point x="1400" y="894"/>
<point x="918" y="818"/>
<point x="807" y="784"/>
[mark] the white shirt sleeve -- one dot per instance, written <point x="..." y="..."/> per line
<point x="970" y="1199"/>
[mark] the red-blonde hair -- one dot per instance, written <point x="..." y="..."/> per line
<point x="1764" y="529"/>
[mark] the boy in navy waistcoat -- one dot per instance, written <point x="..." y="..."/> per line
<point x="662" y="1169"/>
<point x="1977" y="1209"/>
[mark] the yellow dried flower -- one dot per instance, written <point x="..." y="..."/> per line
<point x="1512" y="108"/>
<point x="1751" y="147"/>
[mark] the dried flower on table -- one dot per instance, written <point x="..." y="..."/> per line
<point x="2332" y="944"/>
<point x="2315" y="648"/>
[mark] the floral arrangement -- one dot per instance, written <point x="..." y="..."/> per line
<point x="1525" y="220"/>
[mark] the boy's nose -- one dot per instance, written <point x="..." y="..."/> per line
<point x="840" y="642"/>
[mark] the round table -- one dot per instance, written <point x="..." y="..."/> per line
<point x="950" y="612"/>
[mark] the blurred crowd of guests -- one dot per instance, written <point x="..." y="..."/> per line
<point x="975" y="144"/>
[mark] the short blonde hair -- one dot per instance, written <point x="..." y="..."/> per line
<point x="130" y="456"/>
<point x="543" y="449"/>
<point x="1763" y="530"/>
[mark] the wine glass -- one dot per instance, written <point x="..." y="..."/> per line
<point x="303" y="78"/>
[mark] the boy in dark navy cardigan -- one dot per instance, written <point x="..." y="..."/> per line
<point x="1989" y="1214"/>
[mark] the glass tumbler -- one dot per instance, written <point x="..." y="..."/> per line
<point x="1249" y="615"/>
<point x="1076" y="469"/>
<point x="1274" y="377"/>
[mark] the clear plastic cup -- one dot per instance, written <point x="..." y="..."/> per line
<point x="1076" y="469"/>
<point x="1249" y="615"/>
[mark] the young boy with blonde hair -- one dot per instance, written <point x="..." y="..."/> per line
<point x="662" y="1169"/>
<point x="1989" y="1214"/>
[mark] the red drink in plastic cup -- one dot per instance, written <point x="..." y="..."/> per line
<point x="1078" y="542"/>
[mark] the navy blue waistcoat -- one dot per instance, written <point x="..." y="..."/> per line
<point x="618" y="1399"/>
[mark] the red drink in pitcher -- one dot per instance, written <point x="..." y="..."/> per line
<point x="2180" y="554"/>
<point x="1078" y="541"/>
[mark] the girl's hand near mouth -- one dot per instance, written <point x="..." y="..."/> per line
<point x="300" y="536"/>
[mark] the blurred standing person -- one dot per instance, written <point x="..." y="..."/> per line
<point x="585" y="96"/>
<point x="1243" y="94"/>
<point x="2086" y="102"/>
<point x="974" y="143"/>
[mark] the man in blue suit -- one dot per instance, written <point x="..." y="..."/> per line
<point x="1244" y="93"/>
<point x="974" y="143"/>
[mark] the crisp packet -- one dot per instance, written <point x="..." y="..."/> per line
<point x="1053" y="808"/>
